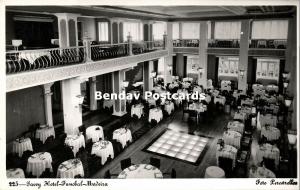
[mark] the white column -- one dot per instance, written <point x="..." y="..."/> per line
<point x="202" y="78"/>
<point x="151" y="69"/>
<point x="119" y="107"/>
<point x="48" y="103"/>
<point x="71" y="108"/>
<point x="169" y="59"/>
<point x="93" y="101"/>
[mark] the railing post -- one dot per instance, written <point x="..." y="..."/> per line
<point x="129" y="40"/>
<point x="165" y="43"/>
<point x="87" y="45"/>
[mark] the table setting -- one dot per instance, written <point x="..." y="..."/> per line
<point x="140" y="171"/>
<point x="75" y="142"/>
<point x="232" y="138"/>
<point x="70" y="168"/>
<point x="94" y="132"/>
<point x="236" y="126"/>
<point x="21" y="145"/>
<point x="227" y="151"/>
<point x="103" y="149"/>
<point x="38" y="163"/>
<point x="122" y="135"/>
<point x="260" y="172"/>
<point x="43" y="133"/>
<point x="156" y="114"/>
<point x="15" y="173"/>
<point x="267" y="151"/>
<point x="137" y="110"/>
<point x="169" y="107"/>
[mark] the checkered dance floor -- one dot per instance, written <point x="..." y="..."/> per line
<point x="179" y="145"/>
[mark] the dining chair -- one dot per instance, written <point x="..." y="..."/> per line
<point x="269" y="163"/>
<point x="155" y="162"/>
<point x="125" y="163"/>
<point x="226" y="165"/>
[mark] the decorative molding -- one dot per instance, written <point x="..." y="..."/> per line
<point x="34" y="78"/>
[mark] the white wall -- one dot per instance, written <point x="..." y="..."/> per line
<point x="88" y="27"/>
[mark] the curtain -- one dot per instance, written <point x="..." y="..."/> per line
<point x="190" y="30"/>
<point x="103" y="31"/>
<point x="135" y="29"/>
<point x="227" y="30"/>
<point x="161" y="66"/>
<point x="175" y="31"/>
<point x="158" y="30"/>
<point x="271" y="29"/>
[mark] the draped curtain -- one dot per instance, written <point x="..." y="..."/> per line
<point x="190" y="30"/>
<point x="103" y="31"/>
<point x="135" y="29"/>
<point x="227" y="30"/>
<point x="271" y="29"/>
<point x="158" y="30"/>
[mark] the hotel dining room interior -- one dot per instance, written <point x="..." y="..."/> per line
<point x="241" y="59"/>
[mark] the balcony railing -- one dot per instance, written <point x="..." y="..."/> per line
<point x="186" y="43"/>
<point x="29" y="60"/>
<point x="228" y="43"/>
<point x="268" y="44"/>
<point x="146" y="46"/>
<point x="107" y="51"/>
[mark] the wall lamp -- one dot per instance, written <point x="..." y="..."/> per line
<point x="288" y="102"/>
<point x="285" y="75"/>
<point x="201" y="71"/>
<point x="78" y="100"/>
<point x="242" y="73"/>
<point x="16" y="43"/>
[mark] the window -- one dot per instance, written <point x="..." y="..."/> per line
<point x="267" y="68"/>
<point x="227" y="30"/>
<point x="228" y="67"/>
<point x="135" y="29"/>
<point x="271" y="29"/>
<point x="158" y="30"/>
<point x="190" y="30"/>
<point x="175" y="31"/>
<point x="103" y="31"/>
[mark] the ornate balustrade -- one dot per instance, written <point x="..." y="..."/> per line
<point x="268" y="44"/>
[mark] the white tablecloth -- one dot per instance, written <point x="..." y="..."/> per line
<point x="108" y="103"/>
<point x="261" y="172"/>
<point x="103" y="149"/>
<point x="271" y="133"/>
<point x="240" y="115"/>
<point x="190" y="79"/>
<point x="156" y="114"/>
<point x="44" y="133"/>
<point x="75" y="142"/>
<point x="70" y="168"/>
<point x="272" y="88"/>
<point x="169" y="107"/>
<point x="137" y="110"/>
<point x="232" y="138"/>
<point x="21" y="145"/>
<point x="37" y="163"/>
<point x="268" y="119"/>
<point x="225" y="85"/>
<point x="215" y="92"/>
<point x="236" y="126"/>
<point x="122" y="135"/>
<point x="197" y="89"/>
<point x="15" y="173"/>
<point x="227" y="152"/>
<point x="220" y="99"/>
<point x="199" y="107"/>
<point x="93" y="133"/>
<point x="267" y="151"/>
<point x="214" y="172"/>
<point x="151" y="101"/>
<point x="186" y="84"/>
<point x="247" y="101"/>
<point x="141" y="171"/>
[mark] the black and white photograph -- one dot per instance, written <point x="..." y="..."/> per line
<point x="171" y="95"/>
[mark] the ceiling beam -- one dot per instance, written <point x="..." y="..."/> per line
<point x="237" y="10"/>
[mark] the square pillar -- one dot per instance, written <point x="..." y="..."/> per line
<point x="93" y="101"/>
<point x="71" y="107"/>
<point x="168" y="60"/>
<point x="202" y="75"/>
<point x="243" y="57"/>
<point x="119" y="107"/>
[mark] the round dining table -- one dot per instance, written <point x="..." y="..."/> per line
<point x="140" y="171"/>
<point x="214" y="172"/>
<point x="15" y="173"/>
<point x="38" y="163"/>
<point x="70" y="168"/>
<point x="103" y="149"/>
